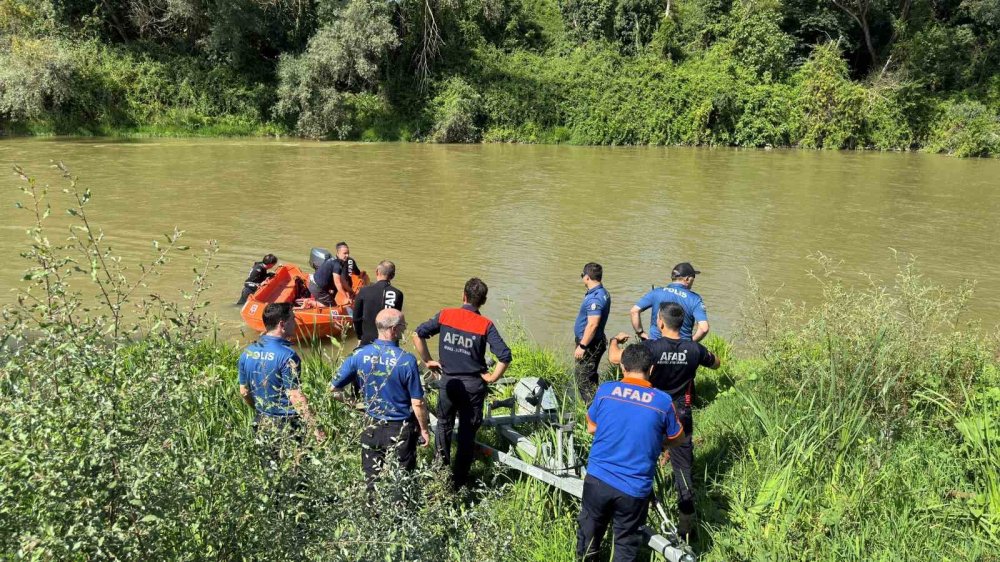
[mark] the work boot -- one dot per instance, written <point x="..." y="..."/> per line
<point x="687" y="527"/>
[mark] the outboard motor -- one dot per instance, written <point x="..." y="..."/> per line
<point x="317" y="256"/>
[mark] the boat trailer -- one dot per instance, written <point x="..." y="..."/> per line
<point x="555" y="461"/>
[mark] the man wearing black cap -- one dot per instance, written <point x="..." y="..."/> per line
<point x="695" y="326"/>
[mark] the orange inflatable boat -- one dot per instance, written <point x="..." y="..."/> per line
<point x="314" y="321"/>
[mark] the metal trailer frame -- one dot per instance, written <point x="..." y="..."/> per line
<point x="556" y="464"/>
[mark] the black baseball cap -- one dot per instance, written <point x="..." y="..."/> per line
<point x="684" y="269"/>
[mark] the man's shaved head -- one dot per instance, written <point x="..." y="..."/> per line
<point x="388" y="319"/>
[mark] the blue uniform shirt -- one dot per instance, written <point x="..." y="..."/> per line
<point x="389" y="377"/>
<point x="690" y="301"/>
<point x="597" y="302"/>
<point x="270" y="368"/>
<point x="464" y="336"/>
<point x="633" y="419"/>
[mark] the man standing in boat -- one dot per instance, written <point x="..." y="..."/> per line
<point x="343" y="270"/>
<point x="695" y="325"/>
<point x="373" y="299"/>
<point x="269" y="383"/>
<point x="394" y="397"/>
<point x="462" y="362"/>
<point x="591" y="343"/>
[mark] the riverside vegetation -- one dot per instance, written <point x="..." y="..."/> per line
<point x="865" y="427"/>
<point x="879" y="74"/>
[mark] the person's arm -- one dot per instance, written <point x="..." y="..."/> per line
<point x="246" y="395"/>
<point x="591" y="426"/>
<point x="615" y="351"/>
<point x="700" y="330"/>
<point x="301" y="405"/>
<point x="499" y="348"/>
<point x="290" y="381"/>
<point x="338" y="282"/>
<point x="709" y="359"/>
<point x="636" y="313"/>
<point x="701" y="321"/>
<point x="358" y="318"/>
<point x="674" y="434"/>
<point x="420" y="411"/>
<point x="426" y="330"/>
<point x="399" y="300"/>
<point x="345" y="375"/>
<point x="243" y="378"/>
<point x="589" y="332"/>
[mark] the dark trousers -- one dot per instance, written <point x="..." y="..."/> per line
<point x="381" y="437"/>
<point x="248" y="289"/>
<point x="322" y="296"/>
<point x="603" y="505"/>
<point x="460" y="397"/>
<point x="587" y="368"/>
<point x="682" y="460"/>
<point x="276" y="438"/>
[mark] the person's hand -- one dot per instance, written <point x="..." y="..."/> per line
<point x="644" y="336"/>
<point x="578" y="353"/>
<point x="319" y="434"/>
<point x="622" y="337"/>
<point x="665" y="457"/>
<point x="425" y="438"/>
<point x="433" y="366"/>
<point x="487" y="378"/>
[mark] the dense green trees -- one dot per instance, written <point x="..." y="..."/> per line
<point x="885" y="74"/>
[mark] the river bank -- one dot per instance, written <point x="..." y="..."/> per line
<point x="861" y="427"/>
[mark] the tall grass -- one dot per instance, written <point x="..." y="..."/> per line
<point x="864" y="427"/>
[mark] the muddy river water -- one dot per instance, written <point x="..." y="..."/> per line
<point x="526" y="218"/>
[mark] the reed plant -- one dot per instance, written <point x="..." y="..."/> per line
<point x="862" y="427"/>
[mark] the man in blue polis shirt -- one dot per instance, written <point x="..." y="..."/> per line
<point x="269" y="382"/>
<point x="591" y="342"/>
<point x="631" y="422"/>
<point x="394" y="397"/>
<point x="695" y="325"/>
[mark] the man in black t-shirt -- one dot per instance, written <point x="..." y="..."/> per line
<point x="334" y="276"/>
<point x="374" y="299"/>
<point x="676" y="362"/>
<point x="258" y="274"/>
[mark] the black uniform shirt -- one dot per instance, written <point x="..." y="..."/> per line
<point x="345" y="268"/>
<point x="371" y="300"/>
<point x="324" y="275"/>
<point x="675" y="363"/>
<point x="464" y="335"/>
<point x="258" y="274"/>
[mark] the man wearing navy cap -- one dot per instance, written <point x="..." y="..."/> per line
<point x="632" y="422"/>
<point x="394" y="397"/>
<point x="591" y="343"/>
<point x="695" y="325"/>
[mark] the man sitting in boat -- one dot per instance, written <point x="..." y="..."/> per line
<point x="334" y="276"/>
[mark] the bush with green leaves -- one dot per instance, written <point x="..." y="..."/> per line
<point x="318" y="89"/>
<point x="36" y="76"/>
<point x="966" y="129"/>
<point x="455" y="112"/>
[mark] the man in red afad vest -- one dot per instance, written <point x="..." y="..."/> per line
<point x="464" y="378"/>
